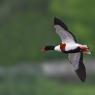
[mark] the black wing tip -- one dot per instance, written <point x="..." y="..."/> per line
<point x="81" y="77"/>
<point x="57" y="21"/>
<point x="81" y="72"/>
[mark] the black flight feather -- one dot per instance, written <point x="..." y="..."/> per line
<point x="81" y="71"/>
<point x="59" y="22"/>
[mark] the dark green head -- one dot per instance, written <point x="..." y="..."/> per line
<point x="47" y="48"/>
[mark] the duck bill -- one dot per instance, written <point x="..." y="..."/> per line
<point x="43" y="50"/>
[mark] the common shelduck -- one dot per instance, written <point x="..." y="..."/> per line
<point x="70" y="46"/>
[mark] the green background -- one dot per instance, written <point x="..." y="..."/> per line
<point x="27" y="25"/>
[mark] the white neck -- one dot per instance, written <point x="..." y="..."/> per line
<point x="57" y="48"/>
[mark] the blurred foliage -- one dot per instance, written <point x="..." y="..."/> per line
<point x="27" y="25"/>
<point x="41" y="86"/>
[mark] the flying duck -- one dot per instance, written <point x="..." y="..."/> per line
<point x="70" y="46"/>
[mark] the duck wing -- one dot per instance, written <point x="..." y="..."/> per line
<point x="76" y="59"/>
<point x="62" y="30"/>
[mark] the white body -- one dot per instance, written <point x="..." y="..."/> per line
<point x="69" y="46"/>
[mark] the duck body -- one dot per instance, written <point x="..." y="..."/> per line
<point x="67" y="48"/>
<point x="70" y="46"/>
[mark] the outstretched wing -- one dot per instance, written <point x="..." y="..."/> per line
<point x="62" y="30"/>
<point x="76" y="59"/>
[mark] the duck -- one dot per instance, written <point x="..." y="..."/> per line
<point x="71" y="47"/>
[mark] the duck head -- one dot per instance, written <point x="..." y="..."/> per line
<point x="47" y="48"/>
<point x="59" y="48"/>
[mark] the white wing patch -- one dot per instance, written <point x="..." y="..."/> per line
<point x="74" y="59"/>
<point x="65" y="36"/>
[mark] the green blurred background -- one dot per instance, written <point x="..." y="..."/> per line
<point x="25" y="27"/>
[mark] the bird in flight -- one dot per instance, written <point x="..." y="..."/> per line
<point x="70" y="46"/>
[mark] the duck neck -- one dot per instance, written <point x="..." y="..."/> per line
<point x="47" y="48"/>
